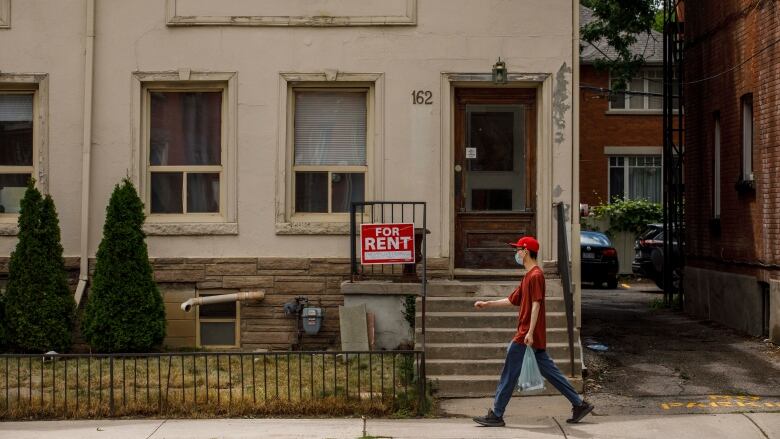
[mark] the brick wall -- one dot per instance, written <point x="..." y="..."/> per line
<point x="599" y="129"/>
<point x="735" y="43"/>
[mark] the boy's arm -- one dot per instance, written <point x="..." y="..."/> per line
<point x="479" y="304"/>
<point x="529" y="338"/>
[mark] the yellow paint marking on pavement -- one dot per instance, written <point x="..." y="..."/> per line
<point x="725" y="401"/>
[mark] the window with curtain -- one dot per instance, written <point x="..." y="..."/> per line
<point x="185" y="151"/>
<point x="635" y="177"/>
<point x="329" y="165"/>
<point x="647" y="88"/>
<point x="16" y="148"/>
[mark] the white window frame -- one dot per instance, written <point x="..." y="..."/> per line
<point x="5" y="14"/>
<point x="289" y="222"/>
<point x="236" y="320"/>
<point x="38" y="86"/>
<point x="222" y="223"/>
<point x="716" y="166"/>
<point x="747" y="137"/>
<point x="626" y="170"/>
<point x="645" y="98"/>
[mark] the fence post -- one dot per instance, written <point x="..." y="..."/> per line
<point x="111" y="384"/>
<point x="352" y="243"/>
<point x="564" y="269"/>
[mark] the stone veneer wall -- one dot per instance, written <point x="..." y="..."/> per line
<point x="263" y="324"/>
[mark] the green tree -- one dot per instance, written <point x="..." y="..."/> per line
<point x="124" y="311"/>
<point x="618" y="22"/>
<point x="39" y="307"/>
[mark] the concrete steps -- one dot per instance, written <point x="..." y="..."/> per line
<point x="466" y="347"/>
<point x="480" y="386"/>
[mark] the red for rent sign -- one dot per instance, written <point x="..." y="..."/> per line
<point x="387" y="243"/>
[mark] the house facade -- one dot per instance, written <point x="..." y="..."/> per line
<point x="621" y="134"/>
<point x="249" y="128"/>
<point x="732" y="179"/>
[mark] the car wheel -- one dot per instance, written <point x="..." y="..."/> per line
<point x="612" y="283"/>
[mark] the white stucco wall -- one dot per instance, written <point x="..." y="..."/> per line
<point x="456" y="36"/>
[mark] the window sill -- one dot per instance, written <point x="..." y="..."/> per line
<point x="190" y="229"/>
<point x="9" y="229"/>
<point x="635" y="112"/>
<point x="312" y="228"/>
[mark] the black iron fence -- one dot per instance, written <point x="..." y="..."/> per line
<point x="86" y="385"/>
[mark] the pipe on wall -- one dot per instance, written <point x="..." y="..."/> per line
<point x="86" y="148"/>
<point x="221" y="298"/>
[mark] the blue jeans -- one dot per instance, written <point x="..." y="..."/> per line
<point x="511" y="372"/>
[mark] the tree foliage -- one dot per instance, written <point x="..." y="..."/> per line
<point x="618" y="22"/>
<point x="124" y="311"/>
<point x="39" y="307"/>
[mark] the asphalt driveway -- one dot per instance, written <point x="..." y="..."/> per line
<point x="661" y="361"/>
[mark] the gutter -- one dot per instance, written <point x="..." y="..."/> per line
<point x="222" y="298"/>
<point x="86" y="148"/>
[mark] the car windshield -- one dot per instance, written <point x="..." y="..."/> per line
<point x="650" y="232"/>
<point x="595" y="239"/>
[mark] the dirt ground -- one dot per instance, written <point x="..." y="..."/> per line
<point x="662" y="361"/>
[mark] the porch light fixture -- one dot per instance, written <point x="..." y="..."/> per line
<point x="499" y="72"/>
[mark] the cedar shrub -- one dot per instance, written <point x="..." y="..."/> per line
<point x="39" y="307"/>
<point x="124" y="310"/>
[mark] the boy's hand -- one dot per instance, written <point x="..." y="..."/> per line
<point x="529" y="339"/>
<point x="479" y="304"/>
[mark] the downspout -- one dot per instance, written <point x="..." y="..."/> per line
<point x="222" y="298"/>
<point x="86" y="147"/>
<point x="575" y="162"/>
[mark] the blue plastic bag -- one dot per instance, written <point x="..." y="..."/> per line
<point x="531" y="379"/>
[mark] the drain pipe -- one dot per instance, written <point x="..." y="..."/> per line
<point x="221" y="298"/>
<point x="86" y="148"/>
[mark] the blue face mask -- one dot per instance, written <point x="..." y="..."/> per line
<point x="518" y="259"/>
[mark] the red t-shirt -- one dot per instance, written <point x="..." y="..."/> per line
<point x="531" y="290"/>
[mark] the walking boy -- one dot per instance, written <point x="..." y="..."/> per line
<point x="531" y="332"/>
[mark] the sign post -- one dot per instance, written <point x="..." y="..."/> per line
<point x="387" y="244"/>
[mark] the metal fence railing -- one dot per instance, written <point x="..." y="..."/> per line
<point x="94" y="385"/>
<point x="564" y="268"/>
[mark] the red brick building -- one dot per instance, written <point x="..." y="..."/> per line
<point x="732" y="171"/>
<point x="621" y="135"/>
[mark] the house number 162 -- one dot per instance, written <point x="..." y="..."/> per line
<point x="420" y="97"/>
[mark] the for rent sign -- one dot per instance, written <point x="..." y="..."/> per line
<point x="387" y="243"/>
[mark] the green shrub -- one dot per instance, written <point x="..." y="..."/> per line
<point x="629" y="215"/>
<point x="124" y="311"/>
<point x="2" y="323"/>
<point x="39" y="307"/>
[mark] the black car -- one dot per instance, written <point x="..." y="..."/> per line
<point x="649" y="255"/>
<point x="650" y="241"/>
<point x="599" y="259"/>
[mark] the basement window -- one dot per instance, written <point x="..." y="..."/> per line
<point x="218" y="325"/>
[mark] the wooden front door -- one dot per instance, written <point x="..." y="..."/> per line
<point x="494" y="174"/>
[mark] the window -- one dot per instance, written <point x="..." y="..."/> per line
<point x="747" y="138"/>
<point x="716" y="166"/>
<point x="218" y="324"/>
<point x="17" y="147"/>
<point x="648" y="88"/>
<point x="635" y="177"/>
<point x="329" y="149"/>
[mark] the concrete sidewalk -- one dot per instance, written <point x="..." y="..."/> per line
<point x="743" y="426"/>
<point x="528" y="417"/>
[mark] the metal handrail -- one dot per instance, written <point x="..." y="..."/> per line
<point x="564" y="268"/>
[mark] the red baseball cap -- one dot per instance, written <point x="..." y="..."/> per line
<point x="528" y="243"/>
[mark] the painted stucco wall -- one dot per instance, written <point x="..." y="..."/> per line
<point x="458" y="36"/>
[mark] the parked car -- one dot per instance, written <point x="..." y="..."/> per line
<point x="649" y="255"/>
<point x="599" y="259"/>
<point x="650" y="241"/>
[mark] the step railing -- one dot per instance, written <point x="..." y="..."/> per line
<point x="564" y="269"/>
